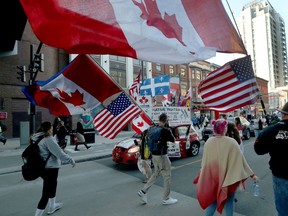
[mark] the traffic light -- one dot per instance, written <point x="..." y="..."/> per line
<point x="21" y="73"/>
<point x="39" y="61"/>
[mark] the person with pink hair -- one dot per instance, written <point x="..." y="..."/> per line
<point x="223" y="170"/>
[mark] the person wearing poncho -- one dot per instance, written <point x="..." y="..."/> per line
<point x="223" y="170"/>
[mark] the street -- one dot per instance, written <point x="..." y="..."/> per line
<point x="101" y="187"/>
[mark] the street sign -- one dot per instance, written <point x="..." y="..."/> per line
<point x="3" y="115"/>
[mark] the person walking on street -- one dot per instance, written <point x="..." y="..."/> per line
<point x="80" y="135"/>
<point x="274" y="140"/>
<point x="162" y="164"/>
<point x="223" y="170"/>
<point x="233" y="132"/>
<point x="145" y="156"/>
<point x="61" y="133"/>
<point x="49" y="148"/>
<point x="2" y="129"/>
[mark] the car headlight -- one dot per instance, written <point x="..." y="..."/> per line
<point x="134" y="149"/>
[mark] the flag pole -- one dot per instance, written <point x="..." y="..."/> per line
<point x="261" y="100"/>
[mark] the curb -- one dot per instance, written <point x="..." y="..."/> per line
<point x="78" y="159"/>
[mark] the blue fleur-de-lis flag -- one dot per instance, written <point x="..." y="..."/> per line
<point x="155" y="86"/>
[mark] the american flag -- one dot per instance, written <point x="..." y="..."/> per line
<point x="134" y="88"/>
<point x="230" y="87"/>
<point x="112" y="119"/>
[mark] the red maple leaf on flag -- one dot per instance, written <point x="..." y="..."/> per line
<point x="168" y="25"/>
<point x="143" y="100"/>
<point x="76" y="98"/>
<point x="140" y="124"/>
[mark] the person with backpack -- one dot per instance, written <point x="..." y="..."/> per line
<point x="49" y="148"/>
<point x="158" y="136"/>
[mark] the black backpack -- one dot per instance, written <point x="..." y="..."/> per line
<point x="154" y="138"/>
<point x="34" y="165"/>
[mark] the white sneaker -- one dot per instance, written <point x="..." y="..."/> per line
<point x="57" y="206"/>
<point x="143" y="196"/>
<point x="169" y="201"/>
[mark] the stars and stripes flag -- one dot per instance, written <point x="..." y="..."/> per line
<point x="230" y="87"/>
<point x="112" y="119"/>
<point x="166" y="32"/>
<point x="134" y="88"/>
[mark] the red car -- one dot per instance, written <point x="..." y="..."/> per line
<point x="187" y="144"/>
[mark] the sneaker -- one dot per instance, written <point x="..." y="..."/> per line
<point x="143" y="196"/>
<point x="88" y="147"/>
<point x="76" y="150"/>
<point x="169" y="201"/>
<point x="4" y="141"/>
<point x="57" y="206"/>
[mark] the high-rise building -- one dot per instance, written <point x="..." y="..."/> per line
<point x="263" y="32"/>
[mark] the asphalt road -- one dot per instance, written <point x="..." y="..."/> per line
<point x="185" y="170"/>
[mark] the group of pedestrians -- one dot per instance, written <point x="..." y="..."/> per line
<point x="60" y="131"/>
<point x="224" y="168"/>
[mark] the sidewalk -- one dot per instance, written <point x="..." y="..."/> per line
<point x="11" y="161"/>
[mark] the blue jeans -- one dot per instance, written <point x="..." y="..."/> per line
<point x="280" y="187"/>
<point x="229" y="206"/>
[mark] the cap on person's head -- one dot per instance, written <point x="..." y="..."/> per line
<point x="284" y="109"/>
<point x="163" y="118"/>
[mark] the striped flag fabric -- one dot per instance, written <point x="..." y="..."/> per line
<point x="141" y="123"/>
<point x="166" y="32"/>
<point x="134" y="88"/>
<point x="230" y="87"/>
<point x="159" y="85"/>
<point x="114" y="117"/>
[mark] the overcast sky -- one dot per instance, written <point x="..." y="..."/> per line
<point x="281" y="6"/>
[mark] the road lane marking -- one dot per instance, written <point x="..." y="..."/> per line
<point x="178" y="167"/>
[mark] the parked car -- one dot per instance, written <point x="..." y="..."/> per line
<point x="186" y="144"/>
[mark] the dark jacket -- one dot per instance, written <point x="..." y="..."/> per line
<point x="79" y="128"/>
<point x="274" y="140"/>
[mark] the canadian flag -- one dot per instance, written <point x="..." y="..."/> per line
<point x="141" y="123"/>
<point x="166" y="32"/>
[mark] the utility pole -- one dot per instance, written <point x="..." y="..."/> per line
<point x="36" y="65"/>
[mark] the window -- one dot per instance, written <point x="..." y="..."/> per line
<point x="198" y="75"/>
<point x="119" y="76"/>
<point x="171" y="69"/>
<point x="158" y="68"/>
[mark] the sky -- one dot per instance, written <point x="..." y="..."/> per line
<point x="281" y="6"/>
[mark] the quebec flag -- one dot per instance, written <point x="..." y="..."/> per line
<point x="155" y="86"/>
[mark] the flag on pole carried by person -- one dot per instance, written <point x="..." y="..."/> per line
<point x="115" y="116"/>
<point x="230" y="87"/>
<point x="180" y="31"/>
<point x="134" y="88"/>
<point x="159" y="85"/>
<point x="75" y="89"/>
<point x="141" y="123"/>
<point x="186" y="99"/>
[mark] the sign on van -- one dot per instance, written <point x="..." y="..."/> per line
<point x="176" y="115"/>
